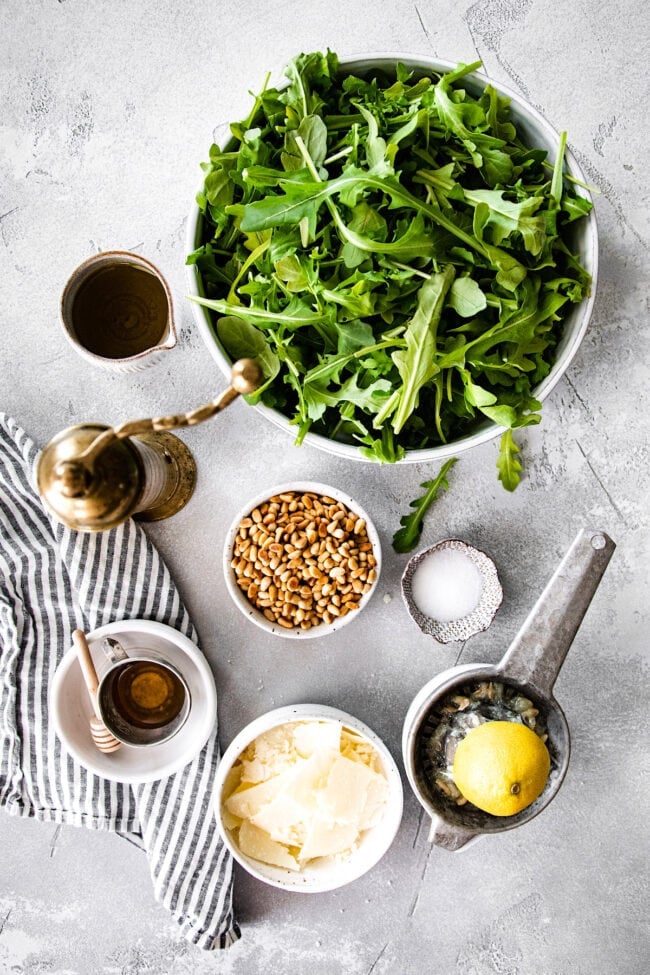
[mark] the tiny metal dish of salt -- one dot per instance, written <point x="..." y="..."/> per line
<point x="451" y="590"/>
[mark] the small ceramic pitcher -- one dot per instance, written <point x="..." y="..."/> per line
<point x="119" y="326"/>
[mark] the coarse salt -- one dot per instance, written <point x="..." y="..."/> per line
<point x="446" y="585"/>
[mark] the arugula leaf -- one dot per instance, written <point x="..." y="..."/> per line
<point x="504" y="217"/>
<point x="556" y="182"/>
<point x="486" y="151"/>
<point x="384" y="450"/>
<point x="243" y="341"/>
<point x="406" y="538"/>
<point x="309" y="75"/>
<point x="466" y="297"/>
<point x="313" y="132"/>
<point x="416" y="363"/>
<point x="476" y="395"/>
<point x="292" y="271"/>
<point x="303" y="199"/>
<point x="369" y="398"/>
<point x="294" y="314"/>
<point x="375" y="145"/>
<point x="508" y="466"/>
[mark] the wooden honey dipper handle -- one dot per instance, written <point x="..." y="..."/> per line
<point x="87" y="666"/>
<point x="104" y="739"/>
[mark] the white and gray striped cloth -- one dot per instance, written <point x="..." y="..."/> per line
<point x="53" y="580"/>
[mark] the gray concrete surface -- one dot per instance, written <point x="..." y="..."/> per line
<point x="107" y="110"/>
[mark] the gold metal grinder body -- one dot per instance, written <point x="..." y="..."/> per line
<point x="115" y="488"/>
<point x="93" y="477"/>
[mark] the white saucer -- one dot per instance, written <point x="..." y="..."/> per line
<point x="71" y="709"/>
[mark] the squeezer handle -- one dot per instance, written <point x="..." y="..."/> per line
<point x="537" y="653"/>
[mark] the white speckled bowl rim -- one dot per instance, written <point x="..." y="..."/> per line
<point x="476" y="621"/>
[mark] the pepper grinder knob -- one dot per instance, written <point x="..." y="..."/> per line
<point x="72" y="479"/>
<point x="246" y="376"/>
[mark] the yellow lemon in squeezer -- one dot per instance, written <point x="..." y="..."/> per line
<point x="501" y="767"/>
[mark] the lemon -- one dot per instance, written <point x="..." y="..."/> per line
<point x="501" y="767"/>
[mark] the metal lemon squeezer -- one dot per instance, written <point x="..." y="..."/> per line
<point x="93" y="477"/>
<point x="530" y="668"/>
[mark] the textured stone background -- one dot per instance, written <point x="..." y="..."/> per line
<point x="107" y="110"/>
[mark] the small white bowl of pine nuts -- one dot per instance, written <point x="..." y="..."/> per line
<point x="302" y="559"/>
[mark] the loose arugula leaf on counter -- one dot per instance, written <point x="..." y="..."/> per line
<point x="406" y="538"/>
<point x="508" y="466"/>
<point x="394" y="255"/>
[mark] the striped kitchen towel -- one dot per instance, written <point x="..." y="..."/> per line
<point x="53" y="580"/>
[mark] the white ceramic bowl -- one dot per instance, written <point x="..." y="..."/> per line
<point x="537" y="132"/>
<point x="71" y="709"/>
<point x="328" y="873"/>
<point x="256" y="615"/>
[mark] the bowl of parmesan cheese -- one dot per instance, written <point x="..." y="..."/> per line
<point x="307" y="798"/>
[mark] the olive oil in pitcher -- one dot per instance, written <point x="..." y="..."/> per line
<point x="120" y="310"/>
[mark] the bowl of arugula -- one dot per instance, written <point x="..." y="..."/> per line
<point x="408" y="250"/>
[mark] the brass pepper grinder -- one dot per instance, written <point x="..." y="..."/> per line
<point x="93" y="477"/>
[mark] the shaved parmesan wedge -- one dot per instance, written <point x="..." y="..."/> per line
<point x="268" y="755"/>
<point x="376" y="799"/>
<point x="307" y="786"/>
<point x="283" y="819"/>
<point x="297" y="801"/>
<point x="257" y="844"/>
<point x="229" y="821"/>
<point x="231" y="780"/>
<point x="249" y="801"/>
<point x="314" y="736"/>
<point x="310" y="778"/>
<point x="345" y="795"/>
<point x="325" y="839"/>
